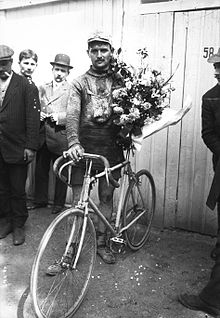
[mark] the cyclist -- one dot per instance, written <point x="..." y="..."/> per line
<point x="90" y="126"/>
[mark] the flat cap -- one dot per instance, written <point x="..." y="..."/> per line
<point x="100" y="36"/>
<point x="5" y="52"/>
<point x="215" y="58"/>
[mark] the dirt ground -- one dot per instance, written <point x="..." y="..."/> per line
<point x="144" y="284"/>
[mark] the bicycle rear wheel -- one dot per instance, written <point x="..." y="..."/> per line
<point x="139" y="207"/>
<point x="60" y="296"/>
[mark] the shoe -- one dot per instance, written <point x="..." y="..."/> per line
<point x="34" y="206"/>
<point x="5" y="230"/>
<point x="106" y="254"/>
<point x="18" y="236"/>
<point x="57" y="209"/>
<point x="54" y="269"/>
<point x="215" y="251"/>
<point x="58" y="267"/>
<point x="194" y="302"/>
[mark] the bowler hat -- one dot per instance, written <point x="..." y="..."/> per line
<point x="100" y="36"/>
<point x="215" y="58"/>
<point x="62" y="59"/>
<point x="5" y="52"/>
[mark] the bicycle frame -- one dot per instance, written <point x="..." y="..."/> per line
<point x="127" y="171"/>
<point x="86" y="200"/>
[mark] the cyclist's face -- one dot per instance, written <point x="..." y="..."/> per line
<point x="60" y="73"/>
<point x="100" y="54"/>
<point x="27" y="66"/>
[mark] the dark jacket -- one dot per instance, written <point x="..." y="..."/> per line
<point x="19" y="119"/>
<point x="211" y="137"/>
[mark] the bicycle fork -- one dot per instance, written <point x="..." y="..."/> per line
<point x="75" y="243"/>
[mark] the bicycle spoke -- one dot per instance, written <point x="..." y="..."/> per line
<point x="138" y="209"/>
<point x="60" y="296"/>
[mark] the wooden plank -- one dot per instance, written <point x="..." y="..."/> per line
<point x="208" y="26"/>
<point x="177" y="5"/>
<point x="12" y="4"/>
<point x="153" y="155"/>
<point x="192" y="180"/>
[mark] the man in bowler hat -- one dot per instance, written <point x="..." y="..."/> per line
<point x="208" y="299"/>
<point x="19" y="137"/>
<point x="53" y="141"/>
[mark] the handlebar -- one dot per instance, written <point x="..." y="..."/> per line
<point x="58" y="167"/>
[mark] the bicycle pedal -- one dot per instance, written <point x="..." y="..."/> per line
<point x="118" y="240"/>
<point x="117" y="244"/>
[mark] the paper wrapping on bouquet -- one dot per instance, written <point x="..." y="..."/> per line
<point x="169" y="117"/>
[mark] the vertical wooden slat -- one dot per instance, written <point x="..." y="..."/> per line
<point x="192" y="186"/>
<point x="155" y="147"/>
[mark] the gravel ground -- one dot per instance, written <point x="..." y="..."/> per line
<point x="144" y="284"/>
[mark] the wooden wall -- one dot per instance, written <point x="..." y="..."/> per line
<point x="177" y="157"/>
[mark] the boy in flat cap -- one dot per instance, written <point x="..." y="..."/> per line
<point x="53" y="141"/>
<point x="19" y="137"/>
<point x="90" y="127"/>
<point x="208" y="299"/>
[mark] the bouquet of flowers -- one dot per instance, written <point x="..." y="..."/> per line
<point x="142" y="98"/>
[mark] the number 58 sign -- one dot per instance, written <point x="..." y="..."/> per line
<point x="208" y="51"/>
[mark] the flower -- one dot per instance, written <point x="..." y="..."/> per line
<point x="143" y="97"/>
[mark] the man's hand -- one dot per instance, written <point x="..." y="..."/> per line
<point x="43" y="116"/>
<point x="54" y="117"/>
<point x="75" y="152"/>
<point x="28" y="155"/>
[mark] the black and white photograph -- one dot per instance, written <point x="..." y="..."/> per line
<point x="109" y="159"/>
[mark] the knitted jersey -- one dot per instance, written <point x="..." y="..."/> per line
<point x="90" y="117"/>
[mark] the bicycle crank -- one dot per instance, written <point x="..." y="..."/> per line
<point x="117" y="244"/>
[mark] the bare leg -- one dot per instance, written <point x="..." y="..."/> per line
<point x="106" y="207"/>
<point x="76" y="194"/>
<point x="106" y="202"/>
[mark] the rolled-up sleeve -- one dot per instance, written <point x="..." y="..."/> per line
<point x="73" y="113"/>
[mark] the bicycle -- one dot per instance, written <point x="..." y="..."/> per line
<point x="61" y="295"/>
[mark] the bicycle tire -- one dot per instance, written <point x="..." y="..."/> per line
<point x="60" y="296"/>
<point x="140" y="196"/>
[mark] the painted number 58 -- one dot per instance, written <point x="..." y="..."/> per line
<point x="208" y="51"/>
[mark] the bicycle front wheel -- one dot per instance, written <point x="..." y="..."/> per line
<point x="59" y="295"/>
<point x="138" y="209"/>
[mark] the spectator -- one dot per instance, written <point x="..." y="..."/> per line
<point x="208" y="299"/>
<point x="53" y="100"/>
<point x="19" y="137"/>
<point x="28" y="62"/>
